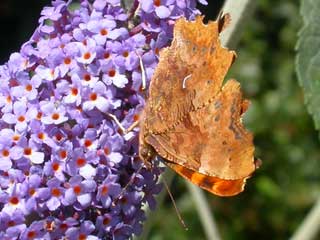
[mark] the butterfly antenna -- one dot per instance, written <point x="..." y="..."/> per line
<point x="174" y="205"/>
<point x="128" y="184"/>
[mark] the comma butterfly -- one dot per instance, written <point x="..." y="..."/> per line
<point x="191" y="119"/>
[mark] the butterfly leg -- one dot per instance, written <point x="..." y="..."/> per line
<point x="122" y="128"/>
<point x="132" y="126"/>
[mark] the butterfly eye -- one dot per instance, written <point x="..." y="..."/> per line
<point x="145" y="152"/>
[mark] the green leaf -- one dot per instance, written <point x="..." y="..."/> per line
<point x="308" y="57"/>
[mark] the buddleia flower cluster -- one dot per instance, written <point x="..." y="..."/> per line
<point x="65" y="161"/>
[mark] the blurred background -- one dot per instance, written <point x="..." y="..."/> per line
<point x="283" y="190"/>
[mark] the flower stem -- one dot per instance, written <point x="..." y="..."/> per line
<point x="310" y="226"/>
<point x="240" y="11"/>
<point x="204" y="212"/>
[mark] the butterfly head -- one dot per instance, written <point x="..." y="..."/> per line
<point x="146" y="153"/>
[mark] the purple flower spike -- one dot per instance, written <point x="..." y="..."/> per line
<point x="66" y="169"/>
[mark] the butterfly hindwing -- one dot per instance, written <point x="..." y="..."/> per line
<point x="214" y="185"/>
<point x="211" y="140"/>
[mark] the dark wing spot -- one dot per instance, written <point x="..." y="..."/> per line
<point x="194" y="48"/>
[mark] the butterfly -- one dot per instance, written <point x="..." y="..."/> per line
<point x="191" y="119"/>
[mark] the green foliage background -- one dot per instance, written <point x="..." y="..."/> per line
<point x="283" y="190"/>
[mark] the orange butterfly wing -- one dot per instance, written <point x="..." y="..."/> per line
<point x="211" y="140"/>
<point x="189" y="74"/>
<point x="190" y="119"/>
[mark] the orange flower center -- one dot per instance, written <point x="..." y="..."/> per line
<point x="93" y="96"/>
<point x="55" y="192"/>
<point x="106" y="151"/>
<point x="5" y="153"/>
<point x="104" y="190"/>
<point x="82" y="236"/>
<point x="58" y="137"/>
<point x="14" y="200"/>
<point x="41" y="135"/>
<point x="28" y="87"/>
<point x="74" y="91"/>
<point x="87" y="142"/>
<point x="103" y="32"/>
<point x="31" y="234"/>
<point x="106" y="55"/>
<point x="87" y="55"/>
<point x="87" y="77"/>
<point x="8" y="99"/>
<point x="55" y="166"/>
<point x="27" y="151"/>
<point x="125" y="54"/>
<point x="63" y="226"/>
<point x="32" y="191"/>
<point x="112" y="73"/>
<point x="49" y="226"/>
<point x="106" y="221"/>
<point x="77" y="189"/>
<point x="39" y="115"/>
<point x="11" y="223"/>
<point x="67" y="61"/>
<point x="16" y="138"/>
<point x="21" y="118"/>
<point x="157" y="3"/>
<point x="81" y="162"/>
<point x="63" y="154"/>
<point x="55" y="116"/>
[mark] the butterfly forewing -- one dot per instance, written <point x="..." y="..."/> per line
<point x="190" y="119"/>
<point x="189" y="74"/>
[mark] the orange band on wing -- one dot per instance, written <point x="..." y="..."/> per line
<point x="214" y="185"/>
